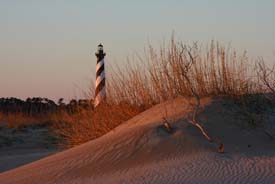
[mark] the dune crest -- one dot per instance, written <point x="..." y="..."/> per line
<point x="140" y="151"/>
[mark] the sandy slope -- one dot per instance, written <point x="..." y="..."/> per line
<point x="139" y="151"/>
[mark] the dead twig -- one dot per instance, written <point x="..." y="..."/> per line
<point x="167" y="125"/>
<point x="185" y="67"/>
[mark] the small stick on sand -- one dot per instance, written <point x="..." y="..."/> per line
<point x="202" y="130"/>
<point x="221" y="148"/>
<point x="166" y="125"/>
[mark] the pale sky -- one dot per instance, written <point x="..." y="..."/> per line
<point x="47" y="47"/>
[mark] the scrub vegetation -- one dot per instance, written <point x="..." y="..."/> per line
<point x="173" y="70"/>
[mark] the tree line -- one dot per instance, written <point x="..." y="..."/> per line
<point x="38" y="106"/>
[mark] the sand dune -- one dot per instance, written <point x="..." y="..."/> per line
<point x="140" y="151"/>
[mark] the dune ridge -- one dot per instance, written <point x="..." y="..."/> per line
<point x="140" y="151"/>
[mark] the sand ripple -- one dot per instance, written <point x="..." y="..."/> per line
<point x="201" y="168"/>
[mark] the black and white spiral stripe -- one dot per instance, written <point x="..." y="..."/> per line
<point x="100" y="91"/>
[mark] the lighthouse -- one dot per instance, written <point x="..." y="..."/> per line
<point x="100" y="90"/>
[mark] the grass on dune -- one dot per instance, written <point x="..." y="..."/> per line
<point x="163" y="74"/>
<point x="159" y="75"/>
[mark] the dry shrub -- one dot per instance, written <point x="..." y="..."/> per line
<point x="216" y="70"/>
<point x="159" y="76"/>
<point x="266" y="77"/>
<point x="18" y="120"/>
<point x="85" y="125"/>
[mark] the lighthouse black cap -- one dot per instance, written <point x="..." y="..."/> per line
<point x="100" y="52"/>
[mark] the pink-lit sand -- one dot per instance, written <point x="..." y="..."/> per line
<point x="140" y="151"/>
